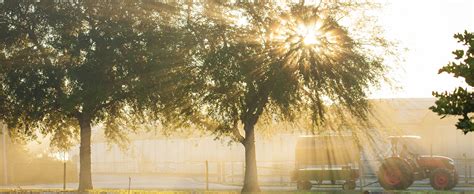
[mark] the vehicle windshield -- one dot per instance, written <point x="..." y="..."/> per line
<point x="407" y="144"/>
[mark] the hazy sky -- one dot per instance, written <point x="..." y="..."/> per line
<point x="425" y="28"/>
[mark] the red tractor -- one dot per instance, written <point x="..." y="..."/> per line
<point x="399" y="171"/>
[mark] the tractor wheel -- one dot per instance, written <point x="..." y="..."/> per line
<point x="395" y="174"/>
<point x="304" y="185"/>
<point x="443" y="179"/>
<point x="349" y="185"/>
<point x="455" y="182"/>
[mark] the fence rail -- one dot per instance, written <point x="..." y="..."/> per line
<point x="225" y="172"/>
<point x="232" y="172"/>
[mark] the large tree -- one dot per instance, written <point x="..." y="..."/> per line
<point x="68" y="65"/>
<point x="460" y="102"/>
<point x="272" y="61"/>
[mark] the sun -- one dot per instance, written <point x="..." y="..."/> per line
<point x="309" y="39"/>
<point x="309" y="35"/>
<point x="302" y="40"/>
<point x="314" y="34"/>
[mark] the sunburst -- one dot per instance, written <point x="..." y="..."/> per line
<point x="302" y="40"/>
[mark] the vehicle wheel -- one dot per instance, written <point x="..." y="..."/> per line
<point x="395" y="174"/>
<point x="442" y="179"/>
<point x="455" y="182"/>
<point x="303" y="185"/>
<point x="349" y="185"/>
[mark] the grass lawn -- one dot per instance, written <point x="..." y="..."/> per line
<point x="106" y="191"/>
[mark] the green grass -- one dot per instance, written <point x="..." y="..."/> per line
<point x="123" y="191"/>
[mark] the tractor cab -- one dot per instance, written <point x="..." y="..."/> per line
<point x="405" y="146"/>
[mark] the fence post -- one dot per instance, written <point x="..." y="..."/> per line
<point x="465" y="168"/>
<point x="207" y="175"/>
<point x="470" y="173"/>
<point x="218" y="173"/>
<point x="129" y="184"/>
<point x="64" y="178"/>
<point x="361" y="175"/>
<point x="223" y="171"/>
<point x="232" y="171"/>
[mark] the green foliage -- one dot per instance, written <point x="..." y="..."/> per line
<point x="252" y="64"/>
<point x="108" y="62"/>
<point x="246" y="74"/>
<point x="83" y="62"/>
<point x="461" y="101"/>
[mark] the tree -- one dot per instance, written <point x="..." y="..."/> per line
<point x="271" y="62"/>
<point x="461" y="101"/>
<point x="68" y="65"/>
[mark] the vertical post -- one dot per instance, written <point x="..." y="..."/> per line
<point x="219" y="172"/>
<point x="465" y="168"/>
<point x="280" y="171"/>
<point x="223" y="171"/>
<point x="112" y="149"/>
<point x="5" y="159"/>
<point x="129" y="184"/>
<point x="207" y="175"/>
<point x="470" y="173"/>
<point x="361" y="175"/>
<point x="232" y="171"/>
<point x="64" y="172"/>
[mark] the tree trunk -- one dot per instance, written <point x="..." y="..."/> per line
<point x="251" y="176"/>
<point x="85" y="173"/>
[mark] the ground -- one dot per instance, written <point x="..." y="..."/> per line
<point x="161" y="184"/>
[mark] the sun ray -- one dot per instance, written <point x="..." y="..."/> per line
<point x="311" y="37"/>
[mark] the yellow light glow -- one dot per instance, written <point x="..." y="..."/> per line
<point x="301" y="41"/>
<point x="309" y="34"/>
<point x="310" y="39"/>
<point x="61" y="156"/>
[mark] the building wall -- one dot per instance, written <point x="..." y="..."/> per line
<point x="394" y="116"/>
<point x="413" y="117"/>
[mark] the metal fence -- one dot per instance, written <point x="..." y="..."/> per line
<point x="223" y="172"/>
<point x="465" y="166"/>
<point x="23" y="173"/>
<point x="232" y="172"/>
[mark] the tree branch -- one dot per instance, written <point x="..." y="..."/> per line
<point x="236" y="132"/>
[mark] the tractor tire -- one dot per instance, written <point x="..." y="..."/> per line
<point x="395" y="174"/>
<point x="456" y="180"/>
<point x="304" y="185"/>
<point x="443" y="179"/>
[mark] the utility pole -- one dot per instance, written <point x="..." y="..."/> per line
<point x="5" y="169"/>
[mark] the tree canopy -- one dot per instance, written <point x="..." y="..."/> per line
<point x="459" y="102"/>
<point x="66" y="66"/>
<point x="217" y="65"/>
<point x="281" y="61"/>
